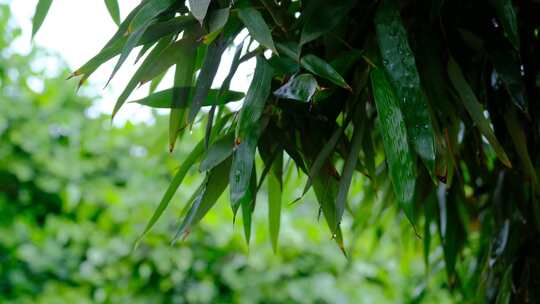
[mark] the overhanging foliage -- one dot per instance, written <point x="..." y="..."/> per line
<point x="434" y="97"/>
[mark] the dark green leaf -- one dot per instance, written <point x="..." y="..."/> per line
<point x="396" y="146"/>
<point x="275" y="184"/>
<point x="257" y="27"/>
<point x="507" y="15"/>
<point x="322" y="68"/>
<point x="301" y="87"/>
<point x="400" y="65"/>
<point x="475" y="110"/>
<point x="216" y="21"/>
<point x="42" y="9"/>
<point x="220" y="150"/>
<point x="321" y="17"/>
<point x="507" y="65"/>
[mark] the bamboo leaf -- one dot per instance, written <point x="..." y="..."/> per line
<point x="218" y="152"/>
<point x="163" y="99"/>
<point x="396" y="146"/>
<point x="212" y="188"/>
<point x="206" y="77"/>
<point x="257" y="27"/>
<point x="216" y="22"/>
<point x="507" y="65"/>
<point x="301" y="87"/>
<point x="114" y="10"/>
<point x="248" y="205"/>
<point x="42" y="9"/>
<point x="199" y="8"/>
<point x="474" y="108"/>
<point x="350" y="163"/>
<point x="507" y="15"/>
<point x="400" y="65"/>
<point x="248" y="132"/>
<point x="321" y="68"/>
<point x="321" y="16"/>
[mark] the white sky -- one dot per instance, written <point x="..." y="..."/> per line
<point x="78" y="29"/>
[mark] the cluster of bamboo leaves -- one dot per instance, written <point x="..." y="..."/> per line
<point x="428" y="99"/>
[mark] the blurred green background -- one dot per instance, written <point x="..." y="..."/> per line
<point x="76" y="191"/>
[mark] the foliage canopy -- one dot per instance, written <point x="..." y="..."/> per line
<point x="432" y="100"/>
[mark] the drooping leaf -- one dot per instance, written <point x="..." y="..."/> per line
<point x="213" y="186"/>
<point x="400" y="65"/>
<point x="396" y="145"/>
<point x="148" y="62"/>
<point x="206" y="77"/>
<point x="507" y="65"/>
<point x="322" y="68"/>
<point x="114" y="10"/>
<point x="350" y="163"/>
<point x="216" y="22"/>
<point x="42" y="9"/>
<point x="188" y="162"/>
<point x="248" y="205"/>
<point x="474" y="108"/>
<point x="185" y="57"/>
<point x="220" y="150"/>
<point x="162" y="99"/>
<point x="321" y="17"/>
<point x="257" y="27"/>
<point x="301" y="87"/>
<point x="275" y="188"/>
<point x="199" y="8"/>
<point x="507" y="15"/>
<point x="247" y="133"/>
<point x="138" y="26"/>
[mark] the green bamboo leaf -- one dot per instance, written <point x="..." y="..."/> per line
<point x="507" y="15"/>
<point x="220" y="150"/>
<point x="275" y="188"/>
<point x="199" y="8"/>
<point x="115" y="45"/>
<point x="520" y="143"/>
<point x="42" y="9"/>
<point x="114" y="10"/>
<point x="322" y="68"/>
<point x="257" y="27"/>
<point x="148" y="62"/>
<point x="248" y="132"/>
<point x="248" y="205"/>
<point x="301" y="87"/>
<point x="195" y="154"/>
<point x="212" y="188"/>
<point x="504" y="295"/>
<point x="216" y="22"/>
<point x="321" y="16"/>
<point x="206" y="77"/>
<point x="290" y="49"/>
<point x="170" y="56"/>
<point x="507" y="65"/>
<point x="185" y="57"/>
<point x="396" y="146"/>
<point x="350" y="162"/>
<point x="163" y="99"/>
<point x="155" y="83"/>
<point x="475" y="109"/>
<point x="400" y="64"/>
<point x="138" y="26"/>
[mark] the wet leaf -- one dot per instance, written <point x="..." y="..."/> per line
<point x="42" y="9"/>
<point x="396" y="145"/>
<point x="322" y="68"/>
<point x="114" y="10"/>
<point x="248" y="132"/>
<point x="507" y="15"/>
<point x="507" y="65"/>
<point x="400" y="66"/>
<point x="301" y="87"/>
<point x="475" y="109"/>
<point x="257" y="27"/>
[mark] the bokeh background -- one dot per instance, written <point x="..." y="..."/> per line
<point x="77" y="190"/>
